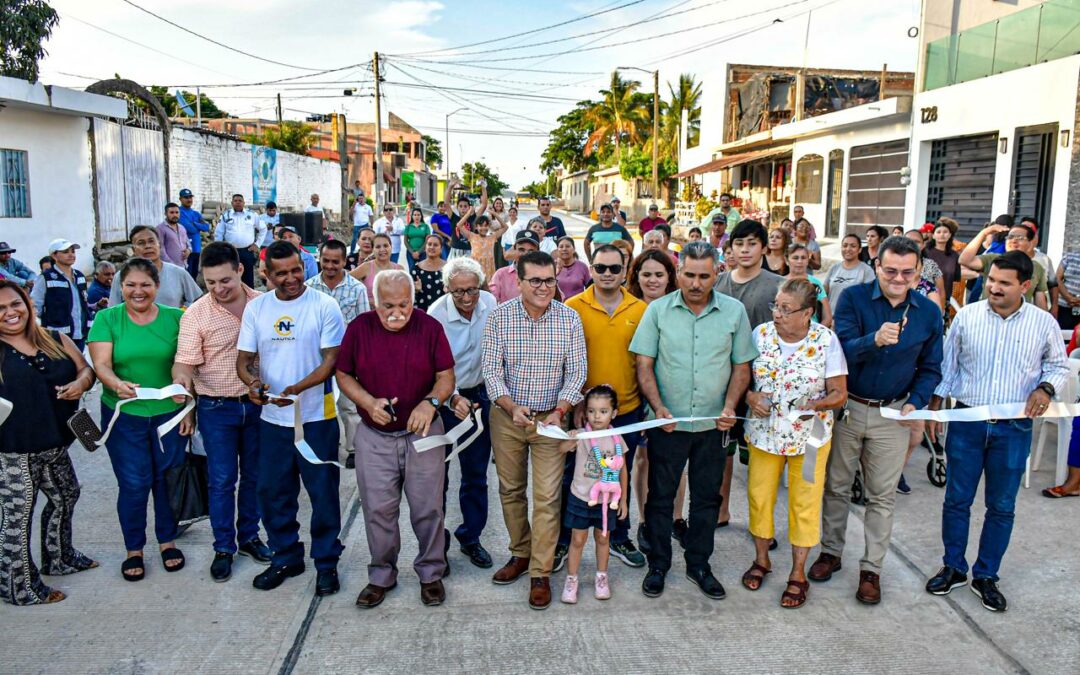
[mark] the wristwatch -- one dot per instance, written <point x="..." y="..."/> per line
<point x="1048" y="388"/>
<point x="434" y="401"/>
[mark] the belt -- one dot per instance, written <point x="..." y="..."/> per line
<point x="234" y="399"/>
<point x="467" y="391"/>
<point x="872" y="402"/>
<point x="965" y="405"/>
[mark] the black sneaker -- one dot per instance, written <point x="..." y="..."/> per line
<point x="653" y="584"/>
<point x="945" y="581"/>
<point x="561" y="550"/>
<point x="678" y="531"/>
<point x="350" y="461"/>
<point x="626" y="552"/>
<point x="902" y="487"/>
<point x="987" y="590"/>
<point x="221" y="568"/>
<point x="257" y="551"/>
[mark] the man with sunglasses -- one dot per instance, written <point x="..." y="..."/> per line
<point x="534" y="366"/>
<point x="464" y="312"/>
<point x="609" y="317"/>
<point x="1018" y="238"/>
<point x="891" y="337"/>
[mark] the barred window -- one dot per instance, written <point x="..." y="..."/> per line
<point x="14" y="184"/>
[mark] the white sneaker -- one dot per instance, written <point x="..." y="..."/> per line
<point x="569" y="591"/>
<point x="603" y="591"/>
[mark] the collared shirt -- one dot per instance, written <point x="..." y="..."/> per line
<point x="465" y="335"/>
<point x="269" y="222"/>
<point x="607" y="343"/>
<point x="177" y="288"/>
<point x="241" y="229"/>
<point x="173" y="243"/>
<point x="989" y="359"/>
<point x="350" y="294"/>
<point x="16" y="271"/>
<point x="912" y="367"/>
<point x="394" y="228"/>
<point x="207" y="342"/>
<point x="311" y="266"/>
<point x="536" y="362"/>
<point x="95" y="292"/>
<point x="694" y="353"/>
<point x="1070" y="264"/>
<point x="194" y="224"/>
<point x="37" y="295"/>
<point x="504" y="284"/>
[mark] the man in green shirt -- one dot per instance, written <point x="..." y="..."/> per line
<point x="693" y="352"/>
<point x="1019" y="238"/>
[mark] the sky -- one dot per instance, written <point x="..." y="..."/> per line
<point x="508" y="105"/>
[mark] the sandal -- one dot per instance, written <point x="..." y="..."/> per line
<point x="799" y="598"/>
<point x="750" y="578"/>
<point x="171" y="554"/>
<point x="54" y="597"/>
<point x="133" y="569"/>
<point x="1058" y="492"/>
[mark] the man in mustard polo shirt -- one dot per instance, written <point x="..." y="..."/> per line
<point x="609" y="318"/>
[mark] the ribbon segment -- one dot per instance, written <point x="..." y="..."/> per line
<point x="982" y="413"/>
<point x="151" y="394"/>
<point x="453" y="437"/>
<point x="298" y="433"/>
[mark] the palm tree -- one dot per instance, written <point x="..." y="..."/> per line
<point x="686" y="97"/>
<point x="617" y="117"/>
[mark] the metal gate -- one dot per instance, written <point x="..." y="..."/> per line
<point x="129" y="178"/>
<point x="961" y="181"/>
<point x="875" y="195"/>
<point x="834" y="194"/>
<point x="1033" y="175"/>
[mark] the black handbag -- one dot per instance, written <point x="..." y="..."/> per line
<point x="188" y="491"/>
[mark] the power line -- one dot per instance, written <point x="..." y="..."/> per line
<point x="514" y="69"/>
<point x="481" y="92"/>
<point x="278" y="81"/>
<point x="215" y="42"/>
<point x="528" y="32"/>
<point x="487" y="132"/>
<point x="455" y="99"/>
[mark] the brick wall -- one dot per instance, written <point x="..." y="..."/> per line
<point x="215" y="168"/>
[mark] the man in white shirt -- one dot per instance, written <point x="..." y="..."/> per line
<point x="244" y="230"/>
<point x="296" y="333"/>
<point x="362" y="216"/>
<point x="270" y="220"/>
<point x="392" y="225"/>
<point x="463" y="313"/>
<point x="314" y="207"/>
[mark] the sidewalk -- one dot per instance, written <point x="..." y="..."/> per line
<point x="184" y="621"/>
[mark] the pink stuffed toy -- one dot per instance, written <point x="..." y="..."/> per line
<point x="607" y="490"/>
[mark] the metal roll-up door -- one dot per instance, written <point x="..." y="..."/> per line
<point x="875" y="194"/>
<point x="961" y="181"/>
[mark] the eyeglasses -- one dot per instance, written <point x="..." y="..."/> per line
<point x="537" y="282"/>
<point x="782" y="311"/>
<point x="1017" y="237"/>
<point x="604" y="269"/>
<point x="891" y="273"/>
<point x="462" y="292"/>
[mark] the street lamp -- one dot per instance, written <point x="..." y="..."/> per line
<point x="655" y="127"/>
<point x="447" y="151"/>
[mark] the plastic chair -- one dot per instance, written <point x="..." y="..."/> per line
<point x="1064" y="431"/>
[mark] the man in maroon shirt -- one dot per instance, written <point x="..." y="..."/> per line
<point x="396" y="365"/>
<point x="646" y="224"/>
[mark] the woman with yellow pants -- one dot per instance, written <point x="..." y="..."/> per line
<point x="801" y="366"/>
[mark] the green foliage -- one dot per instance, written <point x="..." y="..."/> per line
<point x="565" y="142"/>
<point x="638" y="164"/>
<point x="471" y="173"/>
<point x="207" y="108"/>
<point x="536" y="189"/>
<point x="294" y="137"/>
<point x="619" y="118"/>
<point x="25" y="25"/>
<point x="433" y="155"/>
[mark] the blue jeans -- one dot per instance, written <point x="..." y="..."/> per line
<point x="474" y="461"/>
<point x="621" y="535"/>
<point x="140" y="461"/>
<point x="230" y="431"/>
<point x="281" y="469"/>
<point x="999" y="450"/>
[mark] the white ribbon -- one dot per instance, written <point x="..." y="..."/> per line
<point x="151" y="394"/>
<point x="981" y="413"/>
<point x="5" y="409"/>
<point x="453" y="437"/>
<point x="298" y="433"/>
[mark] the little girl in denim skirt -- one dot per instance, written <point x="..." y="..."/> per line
<point x="601" y="405"/>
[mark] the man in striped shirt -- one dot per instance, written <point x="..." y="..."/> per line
<point x="534" y="369"/>
<point x="998" y="351"/>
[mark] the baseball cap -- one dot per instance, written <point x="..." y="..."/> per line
<point x="4" y="248"/>
<point x="61" y="245"/>
<point x="615" y="200"/>
<point x="529" y="235"/>
<point x="186" y="193"/>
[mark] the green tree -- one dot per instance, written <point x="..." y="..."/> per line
<point x="294" y="137"/>
<point x="207" y="107"/>
<point x="433" y="156"/>
<point x="638" y="164"/>
<point x="619" y="118"/>
<point x="471" y="173"/>
<point x="687" y="96"/>
<point x="536" y="189"/>
<point x="24" y="27"/>
<point x="566" y="142"/>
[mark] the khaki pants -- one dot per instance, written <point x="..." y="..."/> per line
<point x="350" y="419"/>
<point x="515" y="449"/>
<point x="880" y="446"/>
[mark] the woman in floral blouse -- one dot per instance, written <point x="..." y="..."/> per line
<point x="801" y="366"/>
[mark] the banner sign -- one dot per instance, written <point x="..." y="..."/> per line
<point x="263" y="174"/>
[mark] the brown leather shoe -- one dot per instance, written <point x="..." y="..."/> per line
<point x="823" y="567"/>
<point x="433" y="593"/>
<point x="372" y="596"/>
<point x="511" y="571"/>
<point x="540" y="593"/>
<point x="869" y="592"/>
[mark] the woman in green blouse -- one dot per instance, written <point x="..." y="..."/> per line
<point x="416" y="231"/>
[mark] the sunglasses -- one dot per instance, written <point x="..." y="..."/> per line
<point x="604" y="269"/>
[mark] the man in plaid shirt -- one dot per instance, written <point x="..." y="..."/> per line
<point x="534" y="369"/>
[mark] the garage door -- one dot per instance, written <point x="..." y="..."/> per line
<point x="961" y="182"/>
<point x="875" y="195"/>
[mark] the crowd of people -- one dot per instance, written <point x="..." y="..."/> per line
<point x="733" y="338"/>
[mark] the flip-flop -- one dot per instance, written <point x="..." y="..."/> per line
<point x="749" y="576"/>
<point x="1057" y="493"/>
<point x="133" y="564"/>
<point x="170" y="554"/>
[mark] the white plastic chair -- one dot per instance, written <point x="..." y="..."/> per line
<point x="1066" y="336"/>
<point x="1064" y="431"/>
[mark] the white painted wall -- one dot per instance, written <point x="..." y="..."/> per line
<point x="713" y="112"/>
<point x="842" y="140"/>
<point x="215" y="168"/>
<point x="61" y="202"/>
<point x="1040" y="94"/>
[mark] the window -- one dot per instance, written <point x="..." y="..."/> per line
<point x="808" y="177"/>
<point x="14" y="184"/>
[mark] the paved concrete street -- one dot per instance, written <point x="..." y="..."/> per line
<point x="186" y="622"/>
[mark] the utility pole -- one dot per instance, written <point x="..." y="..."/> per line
<point x="198" y="107"/>
<point x="343" y="158"/>
<point x="656" y="135"/>
<point x="379" y="185"/>
<point x="446" y="153"/>
<point x="279" y="112"/>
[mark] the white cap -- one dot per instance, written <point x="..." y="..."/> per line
<point x="61" y="245"/>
